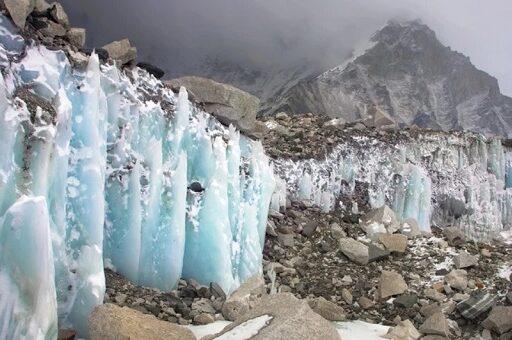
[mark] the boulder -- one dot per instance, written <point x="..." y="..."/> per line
<point x="204" y="319"/>
<point x="354" y="250"/>
<point x="52" y="29"/>
<point x="499" y="320"/>
<point x="410" y="228"/>
<point x="19" y="10"/>
<point x="405" y="330"/>
<point x="380" y="220"/>
<point x="436" y="324"/>
<point x="465" y="260"/>
<point x="405" y="301"/>
<point x="327" y="309"/>
<point x="59" y="15"/>
<point x="457" y="279"/>
<point x="337" y="231"/>
<point x="76" y="36"/>
<point x="454" y="235"/>
<point x="394" y="242"/>
<point x="112" y="322"/>
<point x="121" y="51"/>
<point x="244" y="298"/>
<point x="283" y="317"/>
<point x="227" y="103"/>
<point x="391" y="283"/>
<point x="365" y="303"/>
<point x="376" y="252"/>
<point x="347" y="296"/>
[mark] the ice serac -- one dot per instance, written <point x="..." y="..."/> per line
<point x="95" y="169"/>
<point x="437" y="178"/>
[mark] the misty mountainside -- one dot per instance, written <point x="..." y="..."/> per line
<point x="408" y="73"/>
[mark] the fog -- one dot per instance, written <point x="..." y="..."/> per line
<point x="178" y="35"/>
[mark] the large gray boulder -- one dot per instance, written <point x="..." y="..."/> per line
<point x="115" y="323"/>
<point x="244" y="298"/>
<point x="19" y="10"/>
<point x="121" y="51"/>
<point x="227" y="103"/>
<point x="285" y="317"/>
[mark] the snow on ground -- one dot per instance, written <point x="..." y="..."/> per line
<point x="505" y="272"/>
<point x="350" y="330"/>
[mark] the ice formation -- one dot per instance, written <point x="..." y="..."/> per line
<point x="437" y="178"/>
<point x="95" y="167"/>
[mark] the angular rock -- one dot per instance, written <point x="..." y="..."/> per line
<point x="19" y="10"/>
<point x="454" y="235"/>
<point x="227" y="103"/>
<point x="244" y="298"/>
<point x="354" y="250"/>
<point x="428" y="310"/>
<point x="337" y="231"/>
<point x="391" y="283"/>
<point x="499" y="320"/>
<point x="347" y="296"/>
<point x="476" y="305"/>
<point x="121" y="51"/>
<point x="365" y="303"/>
<point x="405" y="301"/>
<point x="58" y="14"/>
<point x="290" y="319"/>
<point x="465" y="260"/>
<point x="457" y="279"/>
<point x="327" y="309"/>
<point x="376" y="253"/>
<point x="53" y="29"/>
<point x="76" y="36"/>
<point x="112" y="322"/>
<point x="409" y="227"/>
<point x="217" y="291"/>
<point x="394" y="242"/>
<point x="436" y="324"/>
<point x="204" y="319"/>
<point x="380" y="220"/>
<point x="286" y="240"/>
<point x="66" y="334"/>
<point x="434" y="294"/>
<point x="404" y="330"/>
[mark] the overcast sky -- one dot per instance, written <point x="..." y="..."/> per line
<point x="178" y="34"/>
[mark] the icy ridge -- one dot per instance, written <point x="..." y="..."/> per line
<point x="436" y="178"/>
<point x="95" y="168"/>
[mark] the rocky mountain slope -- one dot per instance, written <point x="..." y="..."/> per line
<point x="413" y="77"/>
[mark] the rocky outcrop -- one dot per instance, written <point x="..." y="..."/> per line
<point x="111" y="322"/>
<point x="227" y="103"/>
<point x="287" y="318"/>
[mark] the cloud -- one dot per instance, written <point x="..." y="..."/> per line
<point x="178" y="34"/>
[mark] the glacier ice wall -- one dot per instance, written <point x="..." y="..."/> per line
<point x="439" y="179"/>
<point x="95" y="167"/>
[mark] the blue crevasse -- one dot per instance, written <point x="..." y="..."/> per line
<point x="100" y="175"/>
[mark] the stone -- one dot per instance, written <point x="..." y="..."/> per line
<point x="380" y="220"/>
<point x="436" y="324"/>
<point x="376" y="253"/>
<point x="271" y="228"/>
<point x="428" y="310"/>
<point x="327" y="309"/>
<point x="66" y="334"/>
<point x="19" y="10"/>
<point x="409" y="227"/>
<point x="337" y="231"/>
<point x="291" y="318"/>
<point x="476" y="305"/>
<point x="217" y="291"/>
<point x="454" y="235"/>
<point x="499" y="320"/>
<point x="243" y="298"/>
<point x="203" y="306"/>
<point x="404" y="330"/>
<point x="79" y="59"/>
<point x="406" y="301"/>
<point x="433" y="294"/>
<point x="309" y="228"/>
<point x="121" y="51"/>
<point x="365" y="303"/>
<point x="76" y="36"/>
<point x="286" y="240"/>
<point x="156" y="71"/>
<point x="120" y="298"/>
<point x="355" y="251"/>
<point x="457" y="279"/>
<point x="109" y="321"/>
<point x="282" y="116"/>
<point x="485" y="252"/>
<point x="347" y="296"/>
<point x="58" y="14"/>
<point x="228" y="104"/>
<point x="53" y="29"/>
<point x="204" y="319"/>
<point x="460" y="297"/>
<point x="465" y="260"/>
<point x="391" y="283"/>
<point x="394" y="242"/>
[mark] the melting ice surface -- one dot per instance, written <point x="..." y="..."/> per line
<point x="441" y="179"/>
<point x="95" y="166"/>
